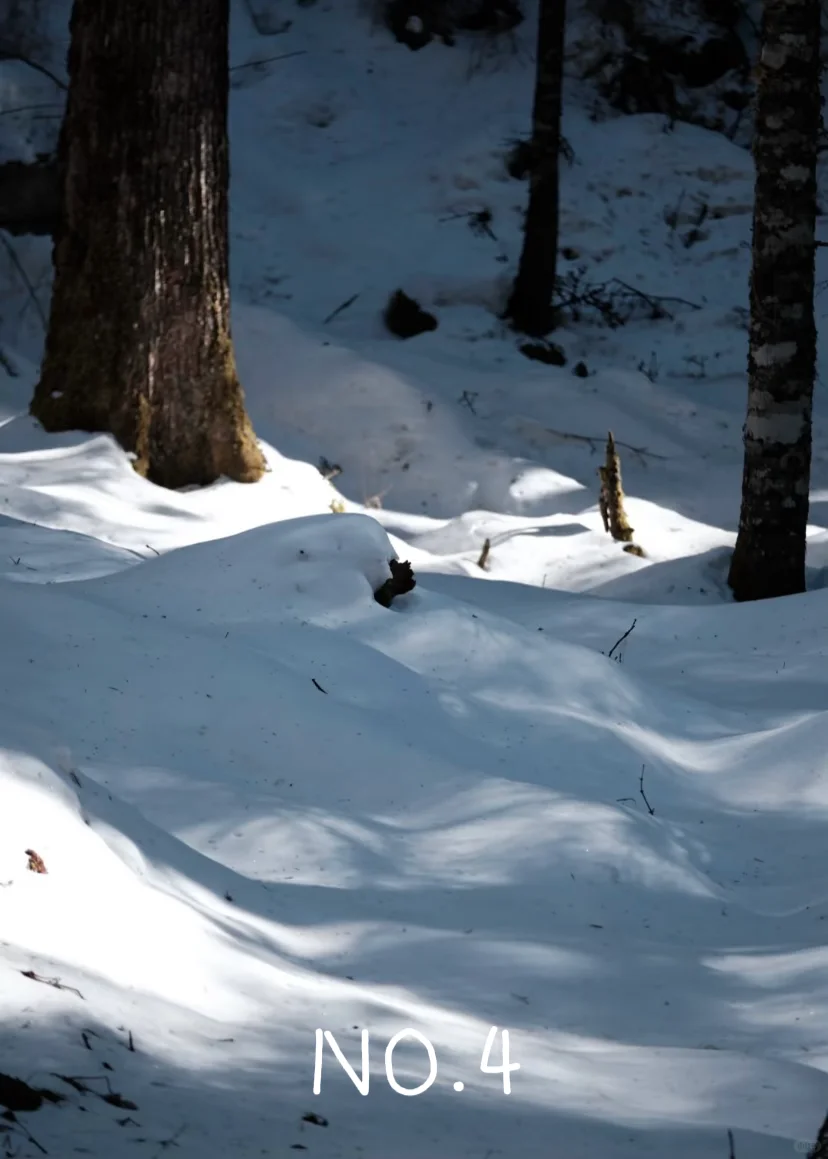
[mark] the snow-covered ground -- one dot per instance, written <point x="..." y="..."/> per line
<point x="268" y="806"/>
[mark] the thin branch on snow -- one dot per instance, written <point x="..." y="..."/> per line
<point x="340" y="309"/>
<point x="655" y="300"/>
<point x="24" y="1130"/>
<point x="650" y="809"/>
<point x="621" y="639"/>
<point x="269" y="59"/>
<point x="54" y="982"/>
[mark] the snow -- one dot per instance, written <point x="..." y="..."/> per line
<point x="268" y="806"/>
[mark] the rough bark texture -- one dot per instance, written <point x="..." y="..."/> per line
<point x="530" y="308"/>
<point x="611" y="500"/>
<point x="769" y="559"/>
<point x="139" y="336"/>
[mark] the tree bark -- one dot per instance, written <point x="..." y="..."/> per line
<point x="820" y="1147"/>
<point x="530" y="307"/>
<point x="769" y="559"/>
<point x="139" y="337"/>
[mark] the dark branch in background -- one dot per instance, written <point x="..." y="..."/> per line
<point x="594" y="442"/>
<point x="484" y="554"/>
<point x="621" y="639"/>
<point x="650" y="809"/>
<point x="655" y="302"/>
<point x="615" y="302"/>
<point x="24" y="276"/>
<point x="731" y="1151"/>
<point x="41" y="68"/>
<point x="30" y="109"/>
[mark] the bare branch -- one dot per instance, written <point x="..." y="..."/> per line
<point x="621" y="639"/>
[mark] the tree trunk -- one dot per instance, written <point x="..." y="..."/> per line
<point x="820" y="1147"/>
<point x="139" y="336"/>
<point x="530" y="308"/>
<point x="769" y="559"/>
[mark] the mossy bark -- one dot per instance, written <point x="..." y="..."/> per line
<point x="139" y="339"/>
<point x="530" y="308"/>
<point x="611" y="500"/>
<point x="769" y="558"/>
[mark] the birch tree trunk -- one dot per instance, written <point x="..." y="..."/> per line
<point x="139" y="337"/>
<point x="530" y="308"/>
<point x="769" y="559"/>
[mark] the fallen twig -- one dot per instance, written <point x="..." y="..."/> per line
<point x="269" y="59"/>
<point x="594" y="443"/>
<point x="621" y="639"/>
<point x="650" y="809"/>
<point x="484" y="554"/>
<point x="116" y="1100"/>
<point x="55" y="982"/>
<point x="467" y="398"/>
<point x="25" y="1131"/>
<point x="340" y="309"/>
<point x="316" y="684"/>
<point x="173" y="1139"/>
<point x="78" y="1083"/>
<point x="655" y="300"/>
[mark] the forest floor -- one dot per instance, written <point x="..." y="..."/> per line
<point x="267" y="806"/>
